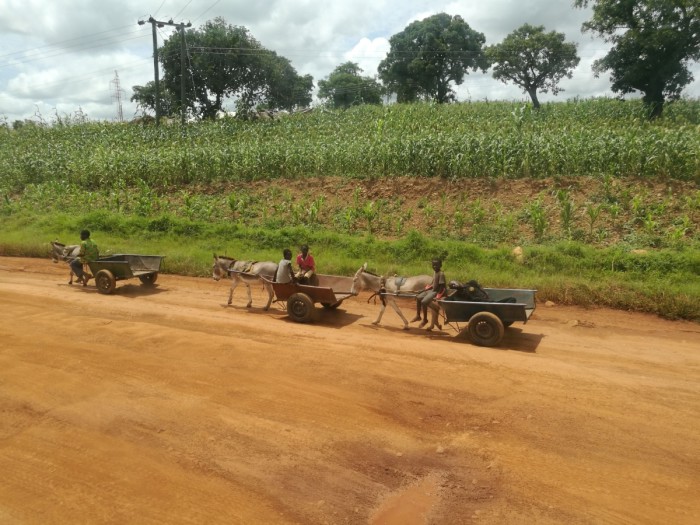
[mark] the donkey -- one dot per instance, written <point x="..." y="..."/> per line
<point x="61" y="252"/>
<point x="245" y="272"/>
<point x="393" y="285"/>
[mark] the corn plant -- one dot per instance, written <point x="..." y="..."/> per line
<point x="566" y="213"/>
<point x="537" y="217"/>
<point x="592" y="212"/>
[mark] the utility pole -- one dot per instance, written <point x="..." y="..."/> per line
<point x="181" y="28"/>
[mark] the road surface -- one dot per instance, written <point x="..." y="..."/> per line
<point x="163" y="405"/>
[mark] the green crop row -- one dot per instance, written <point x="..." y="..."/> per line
<point x="599" y="137"/>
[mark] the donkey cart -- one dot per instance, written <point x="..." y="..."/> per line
<point x="301" y="298"/>
<point x="487" y="319"/>
<point x="109" y="270"/>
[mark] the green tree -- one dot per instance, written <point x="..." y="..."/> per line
<point x="284" y="88"/>
<point x="653" y="42"/>
<point x="345" y="87"/>
<point x="427" y="57"/>
<point x="145" y="98"/>
<point x="533" y="60"/>
<point x="226" y="62"/>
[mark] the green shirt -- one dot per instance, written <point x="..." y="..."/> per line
<point x="88" y="251"/>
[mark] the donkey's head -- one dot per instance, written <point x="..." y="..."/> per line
<point x="365" y="280"/>
<point x="220" y="267"/>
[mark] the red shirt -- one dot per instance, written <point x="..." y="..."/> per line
<point x="306" y="264"/>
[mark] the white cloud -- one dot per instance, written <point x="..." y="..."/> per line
<point x="368" y="53"/>
<point x="63" y="53"/>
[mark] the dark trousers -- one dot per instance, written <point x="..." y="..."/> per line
<point x="77" y="267"/>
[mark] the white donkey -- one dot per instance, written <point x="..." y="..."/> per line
<point x="389" y="288"/>
<point x="245" y="272"/>
<point x="61" y="252"/>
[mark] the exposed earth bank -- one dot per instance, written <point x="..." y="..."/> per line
<point x="162" y="405"/>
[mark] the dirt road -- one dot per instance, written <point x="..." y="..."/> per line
<point x="164" y="406"/>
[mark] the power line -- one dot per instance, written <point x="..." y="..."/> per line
<point x="206" y="10"/>
<point x="181" y="10"/>
<point x="104" y="43"/>
<point x="59" y="43"/>
<point x="159" y="7"/>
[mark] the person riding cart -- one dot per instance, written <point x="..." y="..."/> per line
<point x="88" y="253"/>
<point x="284" y="269"/>
<point x="435" y="290"/>
<point x="307" y="266"/>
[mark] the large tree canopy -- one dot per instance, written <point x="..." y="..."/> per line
<point x="533" y="60"/>
<point x="226" y="62"/>
<point x="427" y="57"/>
<point x="346" y="87"/>
<point x="653" y="43"/>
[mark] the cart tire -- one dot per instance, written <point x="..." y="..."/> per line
<point x="330" y="306"/>
<point x="105" y="282"/>
<point x="149" y="279"/>
<point x="300" y="307"/>
<point x="485" y="329"/>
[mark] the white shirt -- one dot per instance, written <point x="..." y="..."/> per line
<point x="284" y="271"/>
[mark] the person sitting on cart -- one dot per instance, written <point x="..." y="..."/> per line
<point x="306" y="264"/>
<point x="435" y="290"/>
<point x="285" y="274"/>
<point x="88" y="252"/>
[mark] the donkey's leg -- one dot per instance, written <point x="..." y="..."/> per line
<point x="381" y="313"/>
<point x="250" y="295"/>
<point x="234" y="283"/>
<point x="396" y="308"/>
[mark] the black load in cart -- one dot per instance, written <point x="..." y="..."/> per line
<point x="487" y="317"/>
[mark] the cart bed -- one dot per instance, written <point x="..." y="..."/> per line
<point x="331" y="289"/>
<point x="521" y="310"/>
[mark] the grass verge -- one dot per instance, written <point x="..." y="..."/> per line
<point x="664" y="282"/>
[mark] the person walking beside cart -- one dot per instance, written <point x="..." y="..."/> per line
<point x="88" y="252"/>
<point x="435" y="290"/>
<point x="306" y="264"/>
<point x="284" y="269"/>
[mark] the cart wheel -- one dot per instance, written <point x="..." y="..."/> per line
<point x="300" y="307"/>
<point x="485" y="329"/>
<point x="149" y="279"/>
<point x="105" y="281"/>
<point x="330" y="306"/>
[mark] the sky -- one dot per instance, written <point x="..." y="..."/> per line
<point x="63" y="58"/>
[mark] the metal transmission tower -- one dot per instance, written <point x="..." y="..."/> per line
<point x="181" y="28"/>
<point x="118" y="91"/>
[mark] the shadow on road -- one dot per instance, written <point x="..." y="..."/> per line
<point x="125" y="290"/>
<point x="332" y="318"/>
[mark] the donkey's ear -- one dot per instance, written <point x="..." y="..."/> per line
<point x="364" y="266"/>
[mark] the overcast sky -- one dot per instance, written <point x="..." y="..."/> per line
<point x="58" y="56"/>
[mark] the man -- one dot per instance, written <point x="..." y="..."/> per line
<point x="306" y="264"/>
<point x="424" y="298"/>
<point x="88" y="252"/>
<point x="284" y="269"/>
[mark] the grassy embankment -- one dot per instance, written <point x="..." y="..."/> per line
<point x="609" y="184"/>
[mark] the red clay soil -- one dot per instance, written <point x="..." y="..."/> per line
<point x="163" y="405"/>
